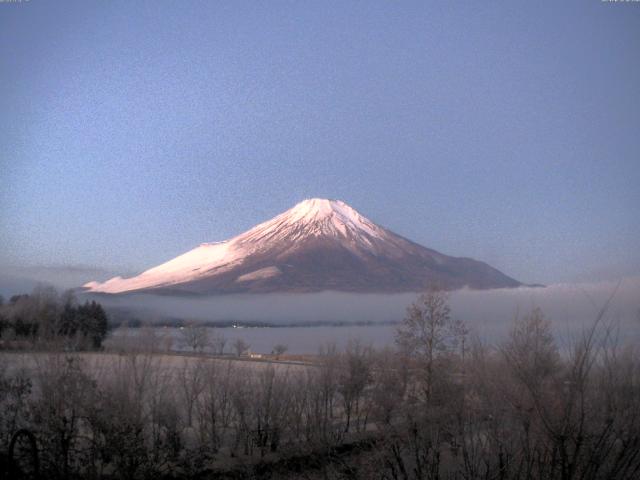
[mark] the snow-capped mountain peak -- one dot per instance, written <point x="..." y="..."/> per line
<point x="314" y="209"/>
<point x="315" y="217"/>
<point x="318" y="244"/>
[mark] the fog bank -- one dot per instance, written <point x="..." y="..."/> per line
<point x="488" y="312"/>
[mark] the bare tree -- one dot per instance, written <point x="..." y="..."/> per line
<point x="67" y="393"/>
<point x="269" y="408"/>
<point x="322" y="385"/>
<point x="390" y="381"/>
<point x="427" y="332"/>
<point x="191" y="380"/>
<point x="218" y="342"/>
<point x="279" y="349"/>
<point x="195" y="337"/>
<point x="215" y="408"/>
<point x="240" y="347"/>
<point x="460" y="332"/>
<point x="353" y="378"/>
<point x="531" y="348"/>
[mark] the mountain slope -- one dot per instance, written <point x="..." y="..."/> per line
<point x="317" y="245"/>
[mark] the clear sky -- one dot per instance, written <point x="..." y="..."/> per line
<point x="132" y="131"/>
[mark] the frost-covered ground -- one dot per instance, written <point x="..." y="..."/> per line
<point x="104" y="364"/>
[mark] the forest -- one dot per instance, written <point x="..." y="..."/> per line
<point x="46" y="319"/>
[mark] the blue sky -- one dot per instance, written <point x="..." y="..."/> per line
<point x="131" y="132"/>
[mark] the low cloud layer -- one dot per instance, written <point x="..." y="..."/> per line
<point x="570" y="306"/>
<point x="489" y="313"/>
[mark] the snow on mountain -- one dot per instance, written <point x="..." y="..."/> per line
<point x="318" y="244"/>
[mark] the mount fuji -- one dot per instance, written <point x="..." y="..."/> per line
<point x="317" y="245"/>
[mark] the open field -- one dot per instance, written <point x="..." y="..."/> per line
<point x="104" y="362"/>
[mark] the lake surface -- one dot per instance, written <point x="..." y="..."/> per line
<point x="299" y="340"/>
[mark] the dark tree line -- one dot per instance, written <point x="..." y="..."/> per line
<point x="46" y="318"/>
